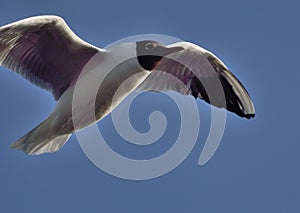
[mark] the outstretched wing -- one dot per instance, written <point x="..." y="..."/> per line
<point x="45" y="51"/>
<point x="195" y="71"/>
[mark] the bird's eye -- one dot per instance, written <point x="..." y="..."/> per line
<point x="149" y="46"/>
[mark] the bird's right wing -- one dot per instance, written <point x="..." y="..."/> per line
<point x="45" y="51"/>
<point x="195" y="71"/>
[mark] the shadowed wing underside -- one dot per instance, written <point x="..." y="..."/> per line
<point x="45" y="51"/>
<point x="203" y="75"/>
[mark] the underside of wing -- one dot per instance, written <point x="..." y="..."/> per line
<point x="195" y="71"/>
<point x="45" y="51"/>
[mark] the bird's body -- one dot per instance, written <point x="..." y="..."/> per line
<point x="58" y="127"/>
<point x="46" y="52"/>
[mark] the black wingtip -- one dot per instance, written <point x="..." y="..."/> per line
<point x="249" y="116"/>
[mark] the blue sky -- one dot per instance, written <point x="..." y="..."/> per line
<point x="254" y="170"/>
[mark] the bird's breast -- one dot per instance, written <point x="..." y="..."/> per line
<point x="98" y="91"/>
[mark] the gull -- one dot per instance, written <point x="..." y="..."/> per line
<point x="45" y="51"/>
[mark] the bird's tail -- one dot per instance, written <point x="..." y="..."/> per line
<point x="40" y="140"/>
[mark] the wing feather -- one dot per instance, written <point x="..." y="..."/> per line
<point x="197" y="72"/>
<point x="45" y="51"/>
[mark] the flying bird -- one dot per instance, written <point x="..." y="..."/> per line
<point x="45" y="51"/>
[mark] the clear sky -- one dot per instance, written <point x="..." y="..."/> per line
<point x="254" y="170"/>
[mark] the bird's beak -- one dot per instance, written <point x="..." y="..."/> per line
<point x="163" y="51"/>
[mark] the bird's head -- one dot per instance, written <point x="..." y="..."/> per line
<point x="149" y="53"/>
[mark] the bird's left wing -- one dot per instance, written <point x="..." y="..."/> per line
<point x="195" y="71"/>
<point x="45" y="51"/>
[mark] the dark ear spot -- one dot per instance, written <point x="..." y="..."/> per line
<point x="147" y="54"/>
<point x="148" y="62"/>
